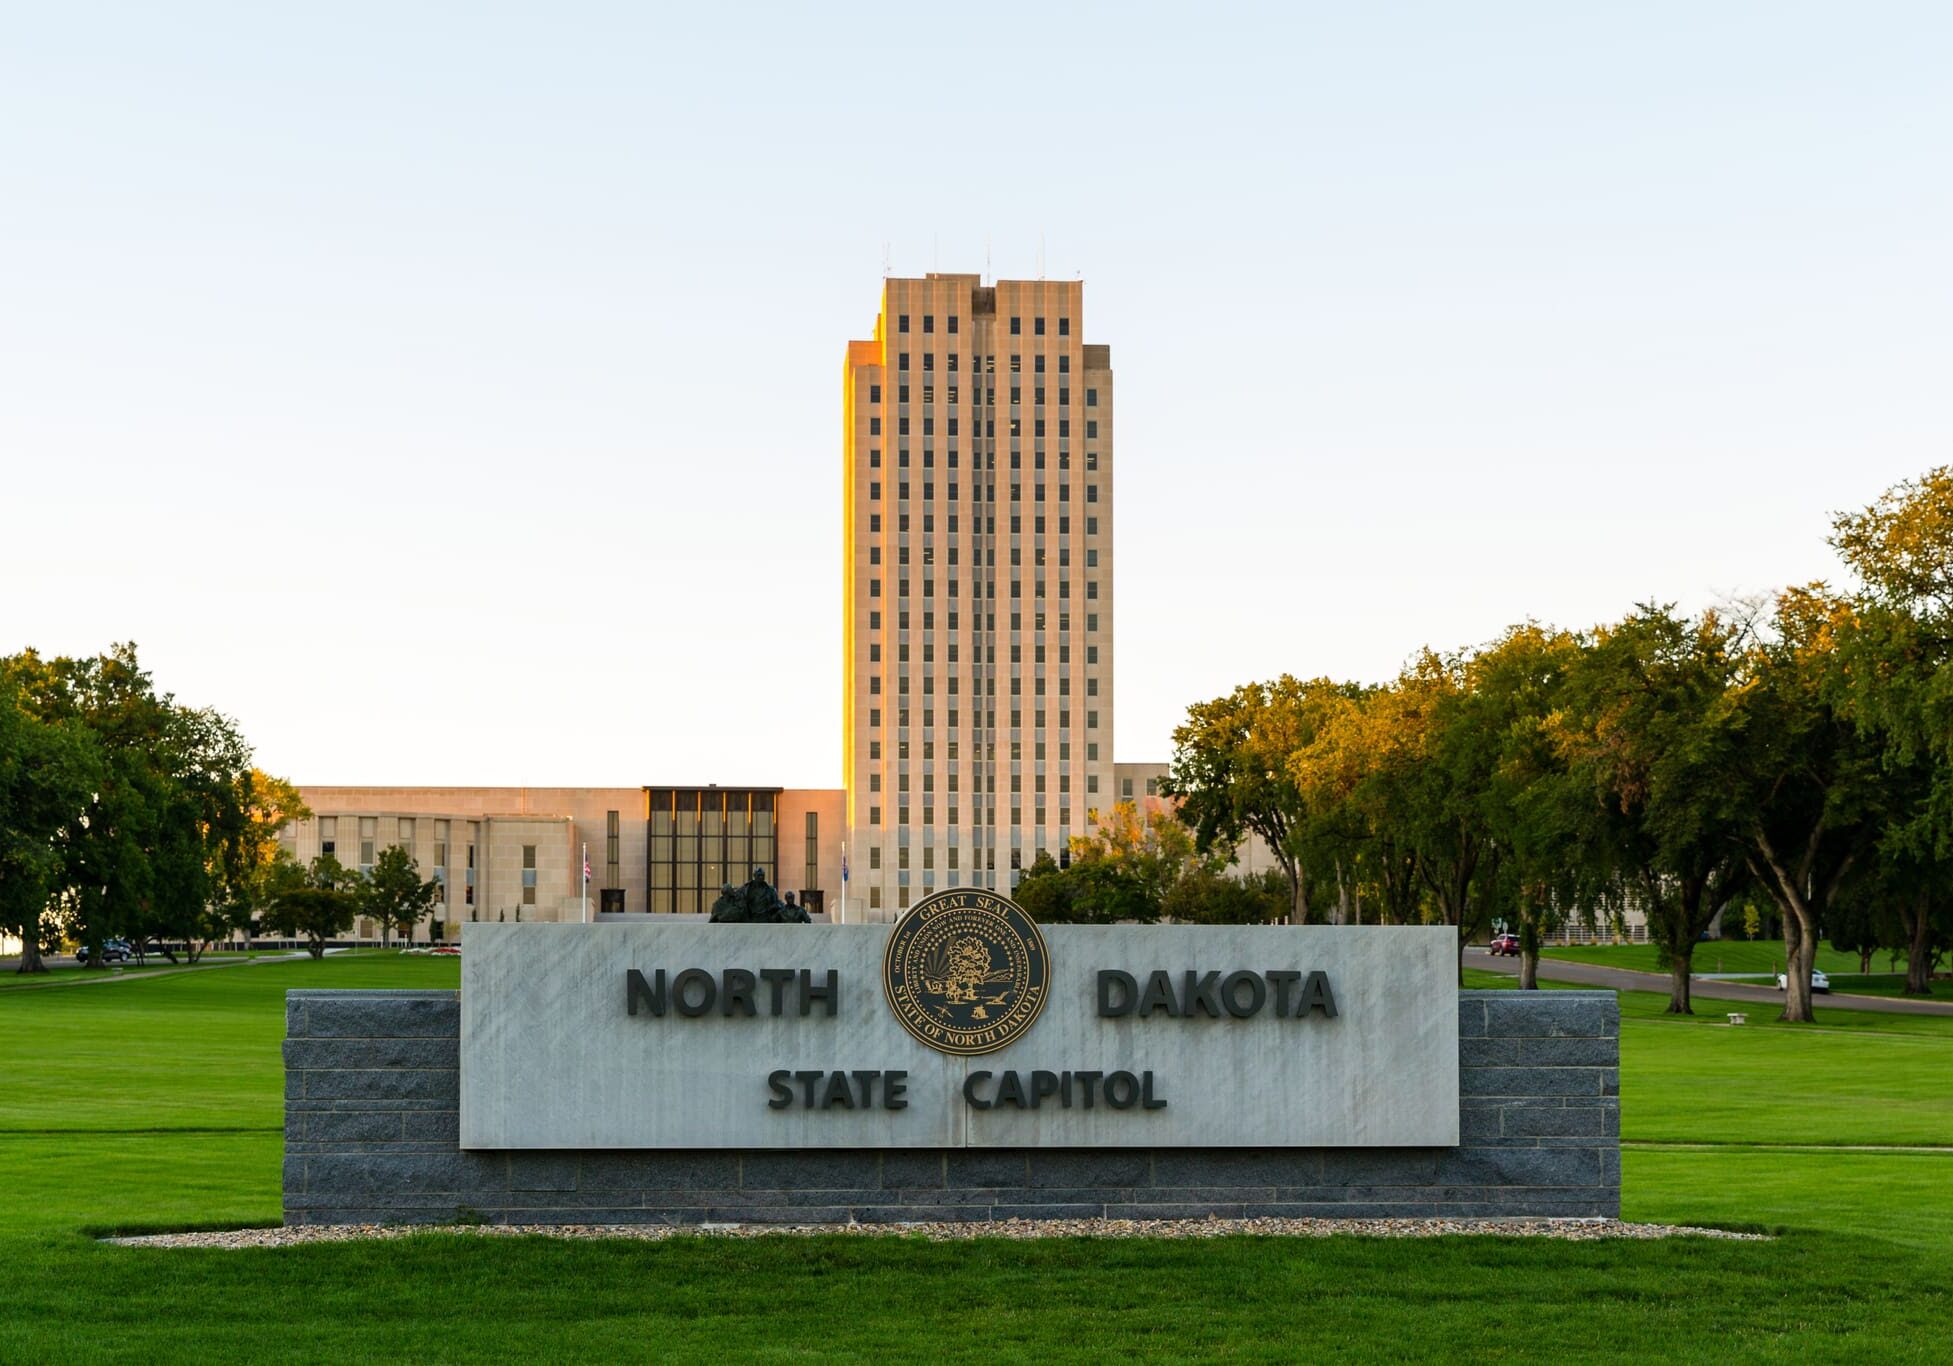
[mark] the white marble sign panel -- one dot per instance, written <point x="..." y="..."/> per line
<point x="1235" y="1046"/>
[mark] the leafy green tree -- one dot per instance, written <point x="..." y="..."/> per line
<point x="1897" y="685"/>
<point x="143" y="856"/>
<point x="1532" y="805"/>
<point x="1207" y="895"/>
<point x="1815" y="782"/>
<point x="1646" y="732"/>
<point x="395" y="895"/>
<point x="315" y="914"/>
<point x="320" y="907"/>
<point x="1232" y="778"/>
<point x="46" y="773"/>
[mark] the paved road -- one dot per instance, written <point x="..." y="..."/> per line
<point x="1624" y="979"/>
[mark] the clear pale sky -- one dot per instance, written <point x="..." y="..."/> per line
<point x="451" y="393"/>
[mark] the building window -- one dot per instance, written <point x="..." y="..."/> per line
<point x="1125" y="788"/>
<point x="929" y="322"/>
<point x="1037" y="326"/>
<point x="528" y="874"/>
<point x="1016" y="327"/>
<point x="1091" y="398"/>
<point x="874" y="393"/>
<point x="902" y="323"/>
<point x="613" y="839"/>
<point x="701" y="838"/>
<point x="1064" y="327"/>
<point x="811" y="877"/>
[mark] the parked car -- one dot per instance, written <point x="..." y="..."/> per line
<point x="1819" y="982"/>
<point x="113" y="951"/>
<point x="1507" y="944"/>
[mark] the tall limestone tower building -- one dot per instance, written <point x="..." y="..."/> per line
<point x="977" y="436"/>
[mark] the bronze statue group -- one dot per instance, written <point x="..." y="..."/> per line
<point x="756" y="904"/>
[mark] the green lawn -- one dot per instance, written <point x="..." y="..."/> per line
<point x="1761" y="957"/>
<point x="157" y="1103"/>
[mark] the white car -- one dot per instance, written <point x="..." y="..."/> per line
<point x="1819" y="982"/>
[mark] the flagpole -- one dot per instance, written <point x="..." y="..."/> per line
<point x="844" y="882"/>
<point x="586" y="883"/>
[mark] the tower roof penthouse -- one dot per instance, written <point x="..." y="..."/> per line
<point x="977" y="444"/>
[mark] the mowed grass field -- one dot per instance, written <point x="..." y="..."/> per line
<point x="1758" y="957"/>
<point x="157" y="1103"/>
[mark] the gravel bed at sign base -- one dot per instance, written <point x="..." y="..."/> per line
<point x="1578" y="1230"/>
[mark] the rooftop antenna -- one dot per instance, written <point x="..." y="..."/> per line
<point x="885" y="268"/>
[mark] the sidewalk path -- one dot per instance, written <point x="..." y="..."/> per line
<point x="1625" y="979"/>
<point x="82" y="979"/>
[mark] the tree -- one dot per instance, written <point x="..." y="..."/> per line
<point x="1207" y="895"/>
<point x="143" y="854"/>
<point x="1813" y="777"/>
<point x="394" y="894"/>
<point x="253" y="866"/>
<point x="1231" y="772"/>
<point x="1531" y="802"/>
<point x="46" y="773"/>
<point x="1897" y="686"/>
<point x="315" y="914"/>
<point x="321" y="907"/>
<point x="1646" y="733"/>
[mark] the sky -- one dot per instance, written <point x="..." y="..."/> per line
<point x="451" y="393"/>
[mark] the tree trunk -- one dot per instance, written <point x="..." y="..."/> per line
<point x="316" y="947"/>
<point x="1800" y="950"/>
<point x="1919" y="949"/>
<point x="30" y="948"/>
<point x="1528" y="969"/>
<point x="1864" y="962"/>
<point x="1681" y="962"/>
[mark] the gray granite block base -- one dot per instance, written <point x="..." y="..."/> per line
<point x="372" y="1080"/>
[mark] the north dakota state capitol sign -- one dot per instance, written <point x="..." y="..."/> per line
<point x="966" y="972"/>
<point x="963" y="1024"/>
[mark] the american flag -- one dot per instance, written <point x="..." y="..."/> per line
<point x="586" y="867"/>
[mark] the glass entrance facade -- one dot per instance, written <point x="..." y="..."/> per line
<point x="703" y="837"/>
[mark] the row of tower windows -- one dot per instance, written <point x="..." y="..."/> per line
<point x="1015" y="426"/>
<point x="983" y="526"/>
<point x="980" y="365"/>
<point x="984" y="397"/>
<point x="978" y="461"/>
<point x="986" y="815"/>
<point x="1016" y="657"/>
<point x="989" y="752"/>
<point x="988" y="491"/>
<point x="983" y="720"/>
<point x="1016" y="324"/>
<point x="987" y="622"/>
<point x="988" y="558"/>
<point x="902" y="587"/>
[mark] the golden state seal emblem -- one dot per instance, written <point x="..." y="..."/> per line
<point x="966" y="971"/>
